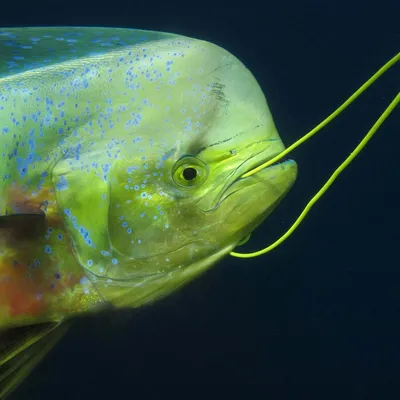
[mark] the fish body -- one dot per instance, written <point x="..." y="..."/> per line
<point x="127" y="149"/>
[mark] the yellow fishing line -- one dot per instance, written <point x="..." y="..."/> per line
<point x="342" y="166"/>
<point x="339" y="110"/>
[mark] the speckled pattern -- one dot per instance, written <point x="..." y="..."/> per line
<point x="97" y="127"/>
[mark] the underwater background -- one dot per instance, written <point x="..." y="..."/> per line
<point x="323" y="309"/>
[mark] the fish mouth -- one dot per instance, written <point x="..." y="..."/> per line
<point x="249" y="165"/>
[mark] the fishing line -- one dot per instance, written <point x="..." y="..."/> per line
<point x="341" y="167"/>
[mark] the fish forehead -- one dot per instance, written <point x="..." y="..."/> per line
<point x="168" y="92"/>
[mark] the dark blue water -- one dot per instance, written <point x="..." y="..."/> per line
<point x="322" y="309"/>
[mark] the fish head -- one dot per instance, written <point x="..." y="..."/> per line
<point x="158" y="194"/>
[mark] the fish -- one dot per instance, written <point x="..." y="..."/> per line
<point x="121" y="156"/>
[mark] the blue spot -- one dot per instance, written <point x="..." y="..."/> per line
<point x="62" y="184"/>
<point x="84" y="280"/>
<point x="114" y="261"/>
<point x="47" y="249"/>
<point x="31" y="144"/>
<point x="90" y="263"/>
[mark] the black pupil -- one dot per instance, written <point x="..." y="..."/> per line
<point x="189" y="174"/>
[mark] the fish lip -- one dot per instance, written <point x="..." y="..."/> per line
<point x="240" y="171"/>
<point x="250" y="164"/>
<point x="256" y="165"/>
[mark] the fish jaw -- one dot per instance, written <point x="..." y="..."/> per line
<point x="248" y="201"/>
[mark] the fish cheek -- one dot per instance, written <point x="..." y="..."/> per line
<point x="83" y="201"/>
<point x="138" y="225"/>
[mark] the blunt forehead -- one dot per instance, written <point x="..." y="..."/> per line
<point x="165" y="97"/>
<point x="180" y="95"/>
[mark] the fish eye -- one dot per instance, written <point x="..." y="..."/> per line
<point x="189" y="172"/>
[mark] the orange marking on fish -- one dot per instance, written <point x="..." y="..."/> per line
<point x="28" y="203"/>
<point x="18" y="292"/>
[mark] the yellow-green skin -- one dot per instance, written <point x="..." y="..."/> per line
<point x="97" y="127"/>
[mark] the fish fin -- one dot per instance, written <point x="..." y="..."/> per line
<point x="28" y="48"/>
<point x="21" y="349"/>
